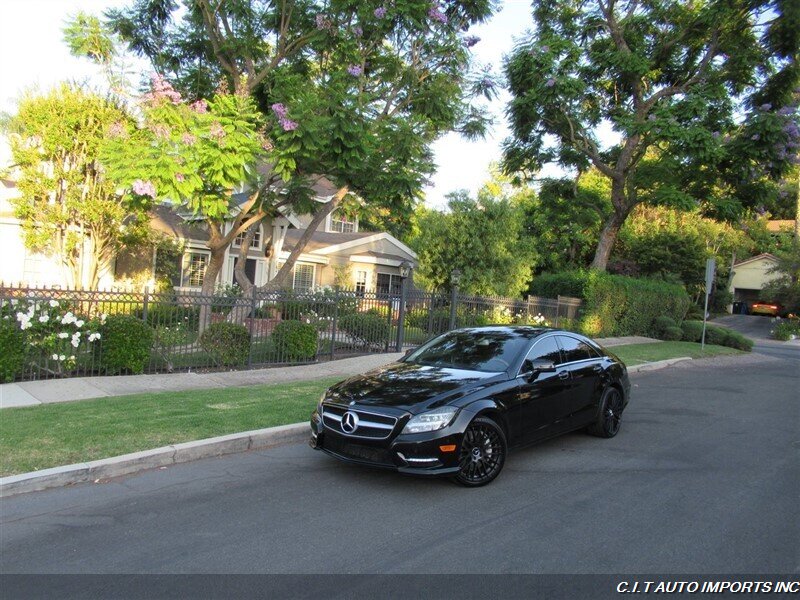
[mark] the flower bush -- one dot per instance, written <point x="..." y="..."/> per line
<point x="54" y="338"/>
<point x="786" y="329"/>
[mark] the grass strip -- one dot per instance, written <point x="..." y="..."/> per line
<point x="39" y="437"/>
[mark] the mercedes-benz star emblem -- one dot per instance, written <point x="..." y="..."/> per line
<point x="349" y="422"/>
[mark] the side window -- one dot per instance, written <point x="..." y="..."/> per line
<point x="574" y="349"/>
<point x="546" y="349"/>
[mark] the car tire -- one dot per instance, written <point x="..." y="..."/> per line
<point x="608" y="420"/>
<point x="482" y="454"/>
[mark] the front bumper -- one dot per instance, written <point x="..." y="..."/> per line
<point x="417" y="453"/>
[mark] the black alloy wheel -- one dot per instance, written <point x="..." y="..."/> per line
<point x="608" y="421"/>
<point x="483" y="453"/>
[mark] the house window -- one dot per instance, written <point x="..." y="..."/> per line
<point x="33" y="269"/>
<point x="254" y="243"/>
<point x="194" y="269"/>
<point x="303" y="279"/>
<point x="361" y="282"/>
<point x="341" y="223"/>
<point x="389" y="283"/>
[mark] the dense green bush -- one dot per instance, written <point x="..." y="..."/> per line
<point x="672" y="334"/>
<point x="367" y="327"/>
<point x="661" y="324"/>
<point x="169" y="315"/>
<point x="12" y="350"/>
<point x="295" y="340"/>
<point x="125" y="344"/>
<point x="734" y="339"/>
<point x="566" y="283"/>
<point x="784" y="330"/>
<point x="227" y="343"/>
<point x="692" y="331"/>
<point x="716" y="335"/>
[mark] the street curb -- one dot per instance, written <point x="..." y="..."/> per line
<point x="659" y="364"/>
<point x="126" y="464"/>
<point x="151" y="459"/>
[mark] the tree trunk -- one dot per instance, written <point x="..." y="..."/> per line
<point x="213" y="269"/>
<point x="608" y="236"/>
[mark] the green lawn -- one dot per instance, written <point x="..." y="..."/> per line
<point x="636" y="354"/>
<point x="51" y="435"/>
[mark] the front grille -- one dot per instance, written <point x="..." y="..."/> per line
<point x="343" y="447"/>
<point x="370" y="425"/>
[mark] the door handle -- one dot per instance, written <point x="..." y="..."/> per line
<point x="563" y="374"/>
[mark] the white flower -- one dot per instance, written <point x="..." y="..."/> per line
<point x="94" y="336"/>
<point x="53" y="303"/>
<point x="22" y="317"/>
<point x="79" y="323"/>
<point x="68" y="318"/>
<point x="44" y="318"/>
<point x="62" y="357"/>
<point x="104" y="316"/>
<point x="72" y="357"/>
<point x="55" y="357"/>
<point x="75" y="343"/>
<point x="25" y="325"/>
<point x="31" y="310"/>
<point x="63" y="335"/>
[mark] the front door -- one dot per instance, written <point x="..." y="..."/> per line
<point x="585" y="365"/>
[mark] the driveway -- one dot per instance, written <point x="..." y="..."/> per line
<point x="703" y="478"/>
<point x="755" y="327"/>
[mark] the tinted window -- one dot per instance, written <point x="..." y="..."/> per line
<point x="574" y="349"/>
<point x="546" y="349"/>
<point x="472" y="350"/>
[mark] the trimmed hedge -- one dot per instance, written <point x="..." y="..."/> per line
<point x="672" y="334"/>
<point x="295" y="340"/>
<point x="126" y="344"/>
<point x="661" y="324"/>
<point x="369" y="328"/>
<point x="616" y="305"/>
<point x="692" y="331"/>
<point x="721" y="336"/>
<point x="227" y="343"/>
<point x="12" y="350"/>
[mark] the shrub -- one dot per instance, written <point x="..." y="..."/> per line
<point x="295" y="340"/>
<point x="784" y="330"/>
<point x="12" y="350"/>
<point x="661" y="324"/>
<point x="552" y="285"/>
<point x="692" y="331"/>
<point x="672" y="334"/>
<point x="716" y="335"/>
<point x="367" y="328"/>
<point x="734" y="339"/>
<point x="227" y="343"/>
<point x="125" y="344"/>
<point x="170" y="315"/>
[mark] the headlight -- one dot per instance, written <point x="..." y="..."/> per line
<point x="431" y="421"/>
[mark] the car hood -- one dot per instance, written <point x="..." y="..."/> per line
<point x="411" y="387"/>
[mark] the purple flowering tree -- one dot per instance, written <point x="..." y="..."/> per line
<point x="69" y="209"/>
<point x="353" y="91"/>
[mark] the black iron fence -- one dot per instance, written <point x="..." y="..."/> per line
<point x="51" y="333"/>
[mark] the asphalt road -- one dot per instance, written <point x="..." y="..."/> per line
<point x="703" y="478"/>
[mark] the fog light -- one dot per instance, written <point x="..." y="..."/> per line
<point x="448" y="448"/>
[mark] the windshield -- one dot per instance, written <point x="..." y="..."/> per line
<point x="488" y="351"/>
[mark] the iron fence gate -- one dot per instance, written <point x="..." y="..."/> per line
<point x="51" y="333"/>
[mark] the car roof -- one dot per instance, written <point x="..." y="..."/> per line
<point x="523" y="330"/>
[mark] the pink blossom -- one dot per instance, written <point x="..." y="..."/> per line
<point x="216" y="130"/>
<point x="117" y="130"/>
<point x="188" y="139"/>
<point x="380" y="12"/>
<point x="437" y="15"/>
<point x="160" y="89"/>
<point x="550" y="82"/>
<point x="354" y="70"/>
<point x="288" y="124"/>
<point x="144" y="188"/>
<point x="279" y="109"/>
<point x="201" y="106"/>
<point x="161" y="131"/>
<point x="471" y="40"/>
<point x="179" y="177"/>
<point x="357" y="31"/>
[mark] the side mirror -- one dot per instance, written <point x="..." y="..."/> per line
<point x="538" y="365"/>
<point x="409" y="352"/>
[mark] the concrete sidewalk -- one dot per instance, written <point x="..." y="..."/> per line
<point x="49" y="391"/>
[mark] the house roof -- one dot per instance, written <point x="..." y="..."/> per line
<point x="322" y="239"/>
<point x="765" y="255"/>
<point x="778" y="225"/>
<point x="163" y="218"/>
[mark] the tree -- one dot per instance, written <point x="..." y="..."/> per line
<point x="356" y="92"/>
<point x="482" y="238"/>
<point x="669" y="77"/>
<point x="786" y="287"/>
<point x="67" y="206"/>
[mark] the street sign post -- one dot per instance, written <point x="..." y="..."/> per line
<point x="711" y="268"/>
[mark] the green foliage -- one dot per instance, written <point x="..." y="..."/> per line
<point x="565" y="283"/>
<point x="295" y="341"/>
<point x="734" y="339"/>
<point x="785" y="289"/>
<point x="692" y="331"/>
<point x="227" y="343"/>
<point x="125" y="346"/>
<point x="661" y="324"/>
<point x="482" y="238"/>
<point x="784" y="330"/>
<point x="65" y="197"/>
<point x="367" y="328"/>
<point x="12" y="350"/>
<point x="672" y="334"/>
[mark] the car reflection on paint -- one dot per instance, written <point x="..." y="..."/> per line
<point x="454" y="406"/>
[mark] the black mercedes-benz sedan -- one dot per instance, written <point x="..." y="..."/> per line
<point x="455" y="405"/>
